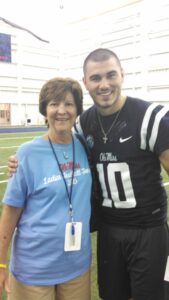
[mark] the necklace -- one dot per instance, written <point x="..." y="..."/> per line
<point x="65" y="155"/>
<point x="105" y="134"/>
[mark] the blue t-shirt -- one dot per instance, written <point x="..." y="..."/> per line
<point x="38" y="256"/>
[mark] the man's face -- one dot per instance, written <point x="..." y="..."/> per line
<point x="103" y="80"/>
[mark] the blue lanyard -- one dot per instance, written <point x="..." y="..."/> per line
<point x="72" y="177"/>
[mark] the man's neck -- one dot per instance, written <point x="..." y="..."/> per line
<point x="114" y="108"/>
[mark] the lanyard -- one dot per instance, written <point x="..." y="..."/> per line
<point x="69" y="194"/>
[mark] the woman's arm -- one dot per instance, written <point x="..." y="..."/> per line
<point x="9" y="218"/>
<point x="164" y="159"/>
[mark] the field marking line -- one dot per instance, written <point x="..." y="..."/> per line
<point x="17" y="138"/>
<point x="3" y="181"/>
<point x="8" y="147"/>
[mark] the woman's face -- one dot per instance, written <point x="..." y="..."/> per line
<point x="61" y="115"/>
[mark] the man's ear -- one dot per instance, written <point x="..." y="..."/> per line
<point x="84" y="82"/>
<point x="122" y="74"/>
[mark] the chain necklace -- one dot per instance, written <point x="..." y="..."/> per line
<point x="105" y="134"/>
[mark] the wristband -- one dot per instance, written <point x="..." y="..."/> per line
<point x="4" y="266"/>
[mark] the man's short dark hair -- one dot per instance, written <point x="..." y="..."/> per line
<point x="100" y="54"/>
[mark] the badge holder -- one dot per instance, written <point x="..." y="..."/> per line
<point x="73" y="236"/>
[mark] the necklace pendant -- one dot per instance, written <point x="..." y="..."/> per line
<point x="65" y="155"/>
<point x="105" y="139"/>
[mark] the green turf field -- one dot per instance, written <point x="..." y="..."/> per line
<point x="8" y="145"/>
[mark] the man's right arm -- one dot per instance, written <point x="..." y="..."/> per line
<point x="12" y="165"/>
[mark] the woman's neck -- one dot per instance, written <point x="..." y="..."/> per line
<point x="58" y="138"/>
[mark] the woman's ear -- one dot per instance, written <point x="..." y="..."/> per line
<point x="46" y="122"/>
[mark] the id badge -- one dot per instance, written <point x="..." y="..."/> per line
<point x="73" y="236"/>
<point x="166" y="276"/>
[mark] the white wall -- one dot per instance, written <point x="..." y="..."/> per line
<point x="33" y="62"/>
<point x="137" y="30"/>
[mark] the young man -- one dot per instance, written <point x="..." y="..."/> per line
<point x="128" y="139"/>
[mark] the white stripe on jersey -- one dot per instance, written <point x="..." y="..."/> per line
<point x="145" y="123"/>
<point x="77" y="127"/>
<point x="155" y="128"/>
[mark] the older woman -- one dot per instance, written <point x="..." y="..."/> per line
<point x="47" y="207"/>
